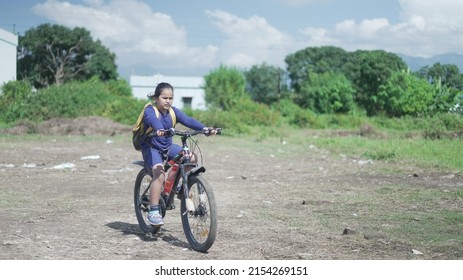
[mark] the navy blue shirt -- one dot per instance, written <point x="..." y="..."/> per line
<point x="165" y="122"/>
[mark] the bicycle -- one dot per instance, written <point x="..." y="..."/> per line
<point x="198" y="207"/>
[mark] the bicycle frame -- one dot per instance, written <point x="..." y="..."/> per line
<point x="197" y="201"/>
<point x="183" y="162"/>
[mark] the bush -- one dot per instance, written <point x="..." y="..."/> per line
<point x="438" y="126"/>
<point x="74" y="99"/>
<point x="14" y="100"/>
<point x="252" y="113"/>
<point x="123" y="110"/>
<point x="304" y="119"/>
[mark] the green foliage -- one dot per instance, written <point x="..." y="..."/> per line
<point x="14" y="100"/>
<point x="252" y="113"/>
<point x="342" y="121"/>
<point x="447" y="74"/>
<point x="326" y="93"/>
<point x="379" y="154"/>
<point x="294" y="115"/>
<point x="368" y="71"/>
<point x="305" y="119"/>
<point x="54" y="54"/>
<point x="286" y="107"/>
<point x="73" y="99"/>
<point x="123" y="109"/>
<point x="404" y="94"/>
<point x="229" y="121"/>
<point x="314" y="60"/>
<point x="101" y="63"/>
<point x="119" y="88"/>
<point x="441" y="125"/>
<point x="445" y="98"/>
<point x="265" y="84"/>
<point x="240" y="119"/>
<point x="224" y="88"/>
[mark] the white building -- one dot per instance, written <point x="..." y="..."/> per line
<point x="188" y="91"/>
<point x="8" y="50"/>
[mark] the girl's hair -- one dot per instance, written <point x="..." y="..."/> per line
<point x="160" y="87"/>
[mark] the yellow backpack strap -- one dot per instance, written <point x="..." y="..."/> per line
<point x="171" y="113"/>
<point x="149" y="129"/>
<point x="173" y="116"/>
<point x="156" y="111"/>
<point x="138" y="124"/>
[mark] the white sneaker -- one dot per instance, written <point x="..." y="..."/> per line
<point x="155" y="218"/>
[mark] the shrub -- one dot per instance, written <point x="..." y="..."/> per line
<point x="14" y="100"/>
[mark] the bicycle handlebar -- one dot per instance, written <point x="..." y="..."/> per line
<point x="172" y="132"/>
<point x="188" y="133"/>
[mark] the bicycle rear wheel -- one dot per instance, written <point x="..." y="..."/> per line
<point x="200" y="223"/>
<point x="141" y="201"/>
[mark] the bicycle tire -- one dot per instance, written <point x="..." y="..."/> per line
<point x="141" y="201"/>
<point x="200" y="226"/>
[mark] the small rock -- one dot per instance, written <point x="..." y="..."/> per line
<point x="66" y="165"/>
<point x="416" y="252"/>
<point x="90" y="157"/>
<point x="347" y="231"/>
<point x="363" y="162"/>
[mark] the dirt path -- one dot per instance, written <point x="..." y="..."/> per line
<point x="71" y="198"/>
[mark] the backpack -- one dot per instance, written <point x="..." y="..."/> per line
<point x="138" y="133"/>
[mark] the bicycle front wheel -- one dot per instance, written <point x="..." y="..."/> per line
<point x="141" y="201"/>
<point x="199" y="218"/>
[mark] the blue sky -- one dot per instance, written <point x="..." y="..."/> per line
<point x="181" y="37"/>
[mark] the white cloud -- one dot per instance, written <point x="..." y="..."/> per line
<point x="250" y="41"/>
<point x="300" y="3"/>
<point x="443" y="13"/>
<point x="132" y="30"/>
<point x="366" y="28"/>
<point x="424" y="30"/>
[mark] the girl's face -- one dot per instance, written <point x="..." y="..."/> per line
<point x="165" y="99"/>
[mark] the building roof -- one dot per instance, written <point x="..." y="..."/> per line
<point x="8" y="37"/>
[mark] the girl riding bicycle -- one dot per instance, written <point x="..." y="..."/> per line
<point x="154" y="148"/>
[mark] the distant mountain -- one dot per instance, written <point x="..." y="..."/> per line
<point x="416" y="63"/>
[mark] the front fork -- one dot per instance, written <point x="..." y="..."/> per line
<point x="194" y="169"/>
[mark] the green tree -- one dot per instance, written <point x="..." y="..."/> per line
<point x="368" y="70"/>
<point x="101" y="63"/>
<point x="266" y="84"/>
<point x="405" y="94"/>
<point x="447" y="74"/>
<point x="224" y="87"/>
<point x="54" y="54"/>
<point x="314" y="60"/>
<point x="326" y="93"/>
<point x="446" y="98"/>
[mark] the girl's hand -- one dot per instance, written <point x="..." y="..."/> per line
<point x="210" y="130"/>
<point x="161" y="132"/>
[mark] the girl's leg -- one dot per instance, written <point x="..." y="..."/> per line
<point x="153" y="160"/>
<point x="156" y="184"/>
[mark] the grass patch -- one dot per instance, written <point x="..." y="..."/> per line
<point x="428" y="153"/>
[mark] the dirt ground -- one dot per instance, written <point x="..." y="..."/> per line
<point x="71" y="198"/>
